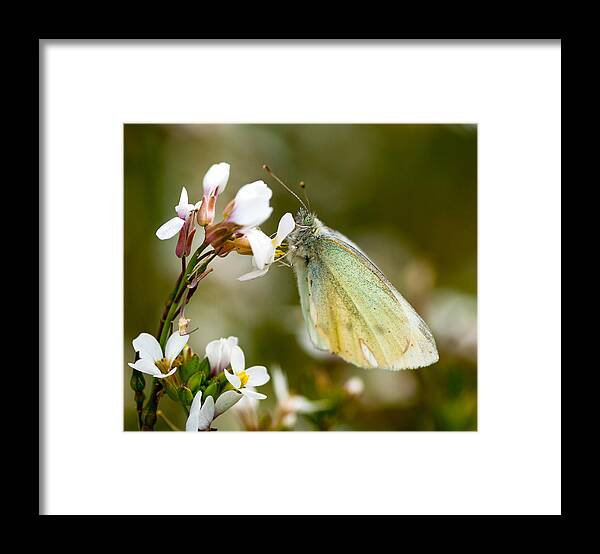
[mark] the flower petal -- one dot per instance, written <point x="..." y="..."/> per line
<point x="192" y="421"/>
<point x="251" y="213"/>
<point x="238" y="362"/>
<point x="232" y="341"/>
<point x="146" y="365"/>
<point x="183" y="200"/>
<point x="280" y="385"/>
<point x="263" y="250"/>
<point x="184" y="207"/>
<point x="175" y="345"/>
<point x="253" y="394"/>
<point x="251" y="205"/>
<point x="147" y="346"/>
<point x="285" y="227"/>
<point x="257" y="376"/>
<point x="206" y="415"/>
<point x="225" y="401"/>
<point x="233" y="379"/>
<point x="218" y="352"/>
<point x="253" y="274"/>
<point x="215" y="179"/>
<point x="228" y="345"/>
<point x="256" y="189"/>
<point x="214" y="353"/>
<point x="191" y="424"/>
<point x="170" y="228"/>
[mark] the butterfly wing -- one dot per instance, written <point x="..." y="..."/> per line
<point x="352" y="310"/>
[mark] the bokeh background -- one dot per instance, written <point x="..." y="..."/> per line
<point x="406" y="194"/>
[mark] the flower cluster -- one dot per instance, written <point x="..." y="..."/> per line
<point x="210" y="386"/>
<point x="221" y="354"/>
<point x="239" y="228"/>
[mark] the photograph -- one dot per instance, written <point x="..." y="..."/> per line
<point x="326" y="262"/>
<point x="300" y="277"/>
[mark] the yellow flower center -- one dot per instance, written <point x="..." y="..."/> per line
<point x="243" y="378"/>
<point x="163" y="365"/>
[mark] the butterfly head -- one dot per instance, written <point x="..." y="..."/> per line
<point x="306" y="229"/>
<point x="304" y="218"/>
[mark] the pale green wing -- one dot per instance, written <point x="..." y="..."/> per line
<point x="352" y="310"/>
<point x="304" y="288"/>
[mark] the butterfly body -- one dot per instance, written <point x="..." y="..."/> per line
<point x="349" y="306"/>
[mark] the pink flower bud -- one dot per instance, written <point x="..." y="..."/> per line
<point x="206" y="213"/>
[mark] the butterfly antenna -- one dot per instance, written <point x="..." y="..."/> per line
<point x="268" y="170"/>
<point x="303" y="187"/>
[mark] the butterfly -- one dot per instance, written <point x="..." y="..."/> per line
<point x="349" y="307"/>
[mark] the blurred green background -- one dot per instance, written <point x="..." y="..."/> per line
<point x="406" y="194"/>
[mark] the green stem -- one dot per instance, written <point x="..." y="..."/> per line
<point x="149" y="414"/>
<point x="170" y="424"/>
<point x="137" y="384"/>
<point x="176" y="295"/>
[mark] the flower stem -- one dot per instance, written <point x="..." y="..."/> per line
<point x="171" y="307"/>
<point x="149" y="415"/>
<point x="169" y="423"/>
<point x="137" y="384"/>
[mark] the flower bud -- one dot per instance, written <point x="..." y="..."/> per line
<point x="186" y="236"/>
<point x="185" y="396"/>
<point x="191" y="364"/>
<point x="211" y="390"/>
<point x="195" y="381"/>
<point x="217" y="235"/>
<point x="206" y="213"/>
<point x="187" y="353"/>
<point x="242" y="245"/>
<point x="215" y="179"/>
<point x="137" y="381"/>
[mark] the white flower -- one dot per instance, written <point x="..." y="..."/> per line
<point x="216" y="178"/>
<point x="218" y="353"/>
<point x="242" y="378"/>
<point x="250" y="206"/>
<point x="152" y="361"/>
<point x="291" y="404"/>
<point x="173" y="226"/>
<point x="202" y="415"/>
<point x="263" y="247"/>
<point x="354" y="386"/>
